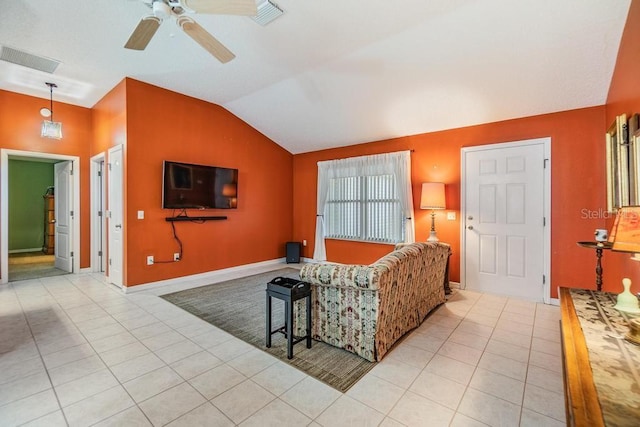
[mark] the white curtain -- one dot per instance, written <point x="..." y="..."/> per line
<point x="398" y="164"/>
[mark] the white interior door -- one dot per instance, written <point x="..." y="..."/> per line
<point x="115" y="227"/>
<point x="504" y="219"/>
<point x="63" y="216"/>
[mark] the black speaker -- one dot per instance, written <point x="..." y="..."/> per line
<point x="293" y="250"/>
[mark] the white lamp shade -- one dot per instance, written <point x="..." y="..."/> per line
<point x="432" y="196"/>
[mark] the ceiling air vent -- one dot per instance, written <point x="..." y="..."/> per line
<point x="267" y="12"/>
<point x="28" y="60"/>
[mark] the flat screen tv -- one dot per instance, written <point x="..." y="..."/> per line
<point x="189" y="186"/>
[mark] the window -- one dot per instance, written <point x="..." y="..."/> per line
<point x="364" y="198"/>
<point x="364" y="208"/>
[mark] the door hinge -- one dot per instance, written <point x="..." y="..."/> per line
<point x="109" y="165"/>
<point x="99" y="173"/>
<point x="544" y="163"/>
<point x="99" y="253"/>
<point x="71" y="214"/>
<point x="100" y="213"/>
<point x="544" y="279"/>
<point x="544" y="221"/>
<point x="71" y="171"/>
<point x="71" y="254"/>
<point x="109" y="261"/>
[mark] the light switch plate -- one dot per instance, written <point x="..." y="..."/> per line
<point x="140" y="214"/>
<point x="451" y="216"/>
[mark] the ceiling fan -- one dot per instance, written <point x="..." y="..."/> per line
<point x="179" y="9"/>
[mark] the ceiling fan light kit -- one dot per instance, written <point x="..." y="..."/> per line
<point x="179" y="9"/>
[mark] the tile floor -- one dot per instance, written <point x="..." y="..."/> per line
<point x="75" y="351"/>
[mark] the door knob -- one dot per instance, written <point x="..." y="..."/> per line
<point x="470" y="217"/>
<point x="470" y="227"/>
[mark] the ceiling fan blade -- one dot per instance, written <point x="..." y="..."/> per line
<point x="223" y="7"/>
<point x="143" y="33"/>
<point x="204" y="39"/>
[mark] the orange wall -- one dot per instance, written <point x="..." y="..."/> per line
<point x="578" y="185"/>
<point x="624" y="98"/>
<point x="20" y="123"/>
<point x="164" y="125"/>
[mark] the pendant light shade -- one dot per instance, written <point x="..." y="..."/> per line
<point x="50" y="129"/>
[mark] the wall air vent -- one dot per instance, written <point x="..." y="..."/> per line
<point x="267" y="12"/>
<point x="28" y="60"/>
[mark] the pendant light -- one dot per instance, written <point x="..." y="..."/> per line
<point x="50" y="129"/>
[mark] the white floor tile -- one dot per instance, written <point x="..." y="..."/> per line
<point x="376" y="393"/>
<point x="498" y="385"/>
<point x="24" y="387"/>
<point x="131" y="417"/>
<point x="277" y="414"/>
<point x="138" y="335"/>
<point x="178" y="351"/>
<point x="489" y="409"/>
<point x="204" y="415"/>
<point x="171" y="404"/>
<point x="78" y="369"/>
<point x="92" y="384"/>
<point x="98" y="407"/>
<point x="415" y="410"/>
<point x="152" y="383"/>
<point x="441" y="390"/>
<point x="136" y="367"/>
<point x="450" y="368"/>
<point x="54" y="419"/>
<point x="252" y="362"/>
<point x="310" y="396"/>
<point x="279" y="377"/>
<point x="544" y="402"/>
<point x="195" y="364"/>
<point x="242" y="401"/>
<point x="29" y="408"/>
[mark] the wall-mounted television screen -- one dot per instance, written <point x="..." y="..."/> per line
<point x="189" y="186"/>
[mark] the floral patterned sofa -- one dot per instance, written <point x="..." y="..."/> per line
<point x="365" y="309"/>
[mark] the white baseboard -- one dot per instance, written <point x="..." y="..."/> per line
<point x="193" y="281"/>
<point x="20" y="251"/>
<point x="554" y="301"/>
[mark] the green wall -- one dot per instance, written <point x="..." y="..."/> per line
<point x="28" y="181"/>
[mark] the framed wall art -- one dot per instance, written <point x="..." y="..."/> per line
<point x="617" y="149"/>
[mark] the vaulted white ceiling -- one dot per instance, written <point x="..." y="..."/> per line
<point x="332" y="73"/>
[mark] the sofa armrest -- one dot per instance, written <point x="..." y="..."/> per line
<point x="339" y="275"/>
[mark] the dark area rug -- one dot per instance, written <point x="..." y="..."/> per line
<point x="238" y="307"/>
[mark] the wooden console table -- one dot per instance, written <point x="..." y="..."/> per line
<point x="601" y="369"/>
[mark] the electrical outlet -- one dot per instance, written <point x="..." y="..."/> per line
<point x="304" y="243"/>
<point x="150" y="260"/>
<point x="451" y="216"/>
<point x="176" y="256"/>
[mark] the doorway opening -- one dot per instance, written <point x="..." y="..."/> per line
<point x="45" y="224"/>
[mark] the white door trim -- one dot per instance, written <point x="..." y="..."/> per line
<point x="112" y="194"/>
<point x="98" y="223"/>
<point x="546" y="142"/>
<point x="4" y="205"/>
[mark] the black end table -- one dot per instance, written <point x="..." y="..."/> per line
<point x="289" y="291"/>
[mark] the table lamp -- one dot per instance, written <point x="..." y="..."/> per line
<point x="432" y="197"/>
<point x="625" y="237"/>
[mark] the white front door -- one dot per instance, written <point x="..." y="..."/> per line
<point x="115" y="227"/>
<point x="504" y="220"/>
<point x="63" y="216"/>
